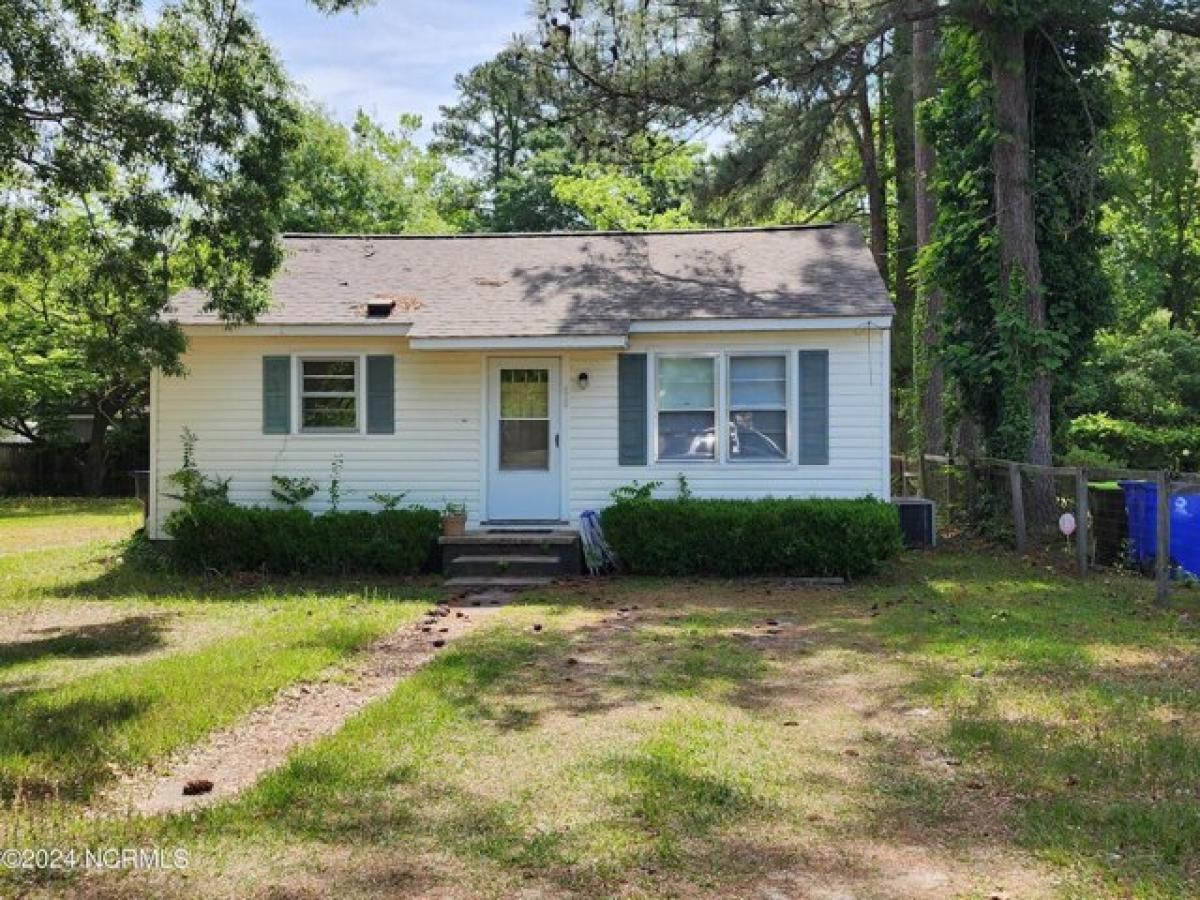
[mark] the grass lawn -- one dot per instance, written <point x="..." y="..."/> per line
<point x="32" y="523"/>
<point x="967" y="724"/>
<point x="103" y="669"/>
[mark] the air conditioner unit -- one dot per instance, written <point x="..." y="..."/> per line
<point x="918" y="521"/>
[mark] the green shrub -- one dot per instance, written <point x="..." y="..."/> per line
<point x="228" y="538"/>
<point x="814" y="538"/>
<point x="1138" y="446"/>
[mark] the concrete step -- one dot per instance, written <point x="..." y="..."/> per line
<point x="496" y="582"/>
<point x="547" y="565"/>
<point x="561" y="545"/>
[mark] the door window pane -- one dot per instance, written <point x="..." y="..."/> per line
<point x="525" y="444"/>
<point x="524" y="394"/>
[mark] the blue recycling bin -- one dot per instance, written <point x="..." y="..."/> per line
<point x="1141" y="510"/>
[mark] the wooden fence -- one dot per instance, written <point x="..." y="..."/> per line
<point x="1027" y="503"/>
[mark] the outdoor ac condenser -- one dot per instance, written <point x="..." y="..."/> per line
<point x="918" y="522"/>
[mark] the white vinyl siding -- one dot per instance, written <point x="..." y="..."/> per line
<point x="437" y="451"/>
<point x="859" y="410"/>
<point x="433" y="454"/>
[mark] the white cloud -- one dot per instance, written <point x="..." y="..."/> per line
<point x="393" y="57"/>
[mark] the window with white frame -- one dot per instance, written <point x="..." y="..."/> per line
<point x="687" y="407"/>
<point x="329" y="394"/>
<point x="757" y="404"/>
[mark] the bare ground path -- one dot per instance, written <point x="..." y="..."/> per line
<point x="234" y="758"/>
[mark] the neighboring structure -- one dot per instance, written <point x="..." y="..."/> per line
<point x="527" y="376"/>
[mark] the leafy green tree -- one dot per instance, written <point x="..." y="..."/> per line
<point x="138" y="155"/>
<point x="1153" y="217"/>
<point x="498" y="120"/>
<point x="737" y="62"/>
<point x="987" y="340"/>
<point x="367" y="179"/>
<point x="652" y="194"/>
<point x="1149" y="375"/>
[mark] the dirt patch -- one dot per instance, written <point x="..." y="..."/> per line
<point x="231" y="760"/>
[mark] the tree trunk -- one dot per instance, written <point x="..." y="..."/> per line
<point x="932" y="382"/>
<point x="873" y="179"/>
<point x="1020" y="263"/>
<point x="903" y="147"/>
<point x="95" y="461"/>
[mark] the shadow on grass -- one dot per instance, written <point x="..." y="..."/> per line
<point x="128" y="579"/>
<point x="58" y="747"/>
<point x="130" y="636"/>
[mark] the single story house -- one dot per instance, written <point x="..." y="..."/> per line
<point x="528" y="375"/>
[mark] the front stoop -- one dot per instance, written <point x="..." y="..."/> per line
<point x="510" y="560"/>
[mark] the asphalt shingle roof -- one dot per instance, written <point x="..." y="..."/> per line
<point x="568" y="283"/>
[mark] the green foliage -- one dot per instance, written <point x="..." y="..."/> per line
<point x="538" y="170"/>
<point x="1149" y="374"/>
<point x="388" y="501"/>
<point x="454" y="509"/>
<point x="365" y="179"/>
<point x="1153" y="217"/>
<point x="228" y="538"/>
<point x="292" y="490"/>
<point x="650" y="193"/>
<point x="1133" y="444"/>
<point x="990" y="351"/>
<point x="335" y="481"/>
<point x="195" y="488"/>
<point x="752" y="537"/>
<point x="139" y="154"/>
<point x="633" y="491"/>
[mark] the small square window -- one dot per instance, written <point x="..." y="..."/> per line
<point x="329" y="394"/>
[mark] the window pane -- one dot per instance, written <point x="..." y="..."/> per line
<point x="524" y="394"/>
<point x="327" y="385"/>
<point x="758" y="435"/>
<point x="685" y="383"/>
<point x="342" y="367"/>
<point x="758" y="381"/>
<point x="525" y="444"/>
<point x="686" y="435"/>
<point x="328" y="412"/>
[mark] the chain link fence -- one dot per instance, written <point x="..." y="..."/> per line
<point x="1085" y="519"/>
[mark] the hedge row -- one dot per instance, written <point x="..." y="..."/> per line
<point x="813" y="538"/>
<point x="229" y="538"/>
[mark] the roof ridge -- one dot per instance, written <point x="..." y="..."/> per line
<point x="468" y="235"/>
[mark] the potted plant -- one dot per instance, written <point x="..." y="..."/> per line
<point x="454" y="519"/>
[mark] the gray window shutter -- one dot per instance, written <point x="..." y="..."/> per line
<point x="814" y="407"/>
<point x="277" y="394"/>
<point x="631" y="409"/>
<point x="381" y="393"/>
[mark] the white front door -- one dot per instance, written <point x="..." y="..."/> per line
<point x="524" y="478"/>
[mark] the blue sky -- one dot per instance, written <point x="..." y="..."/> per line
<point x="392" y="57"/>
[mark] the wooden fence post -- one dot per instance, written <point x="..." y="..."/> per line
<point x="1081" y="521"/>
<point x="970" y="488"/>
<point x="1162" y="554"/>
<point x="1018" y="504"/>
<point x="923" y="469"/>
